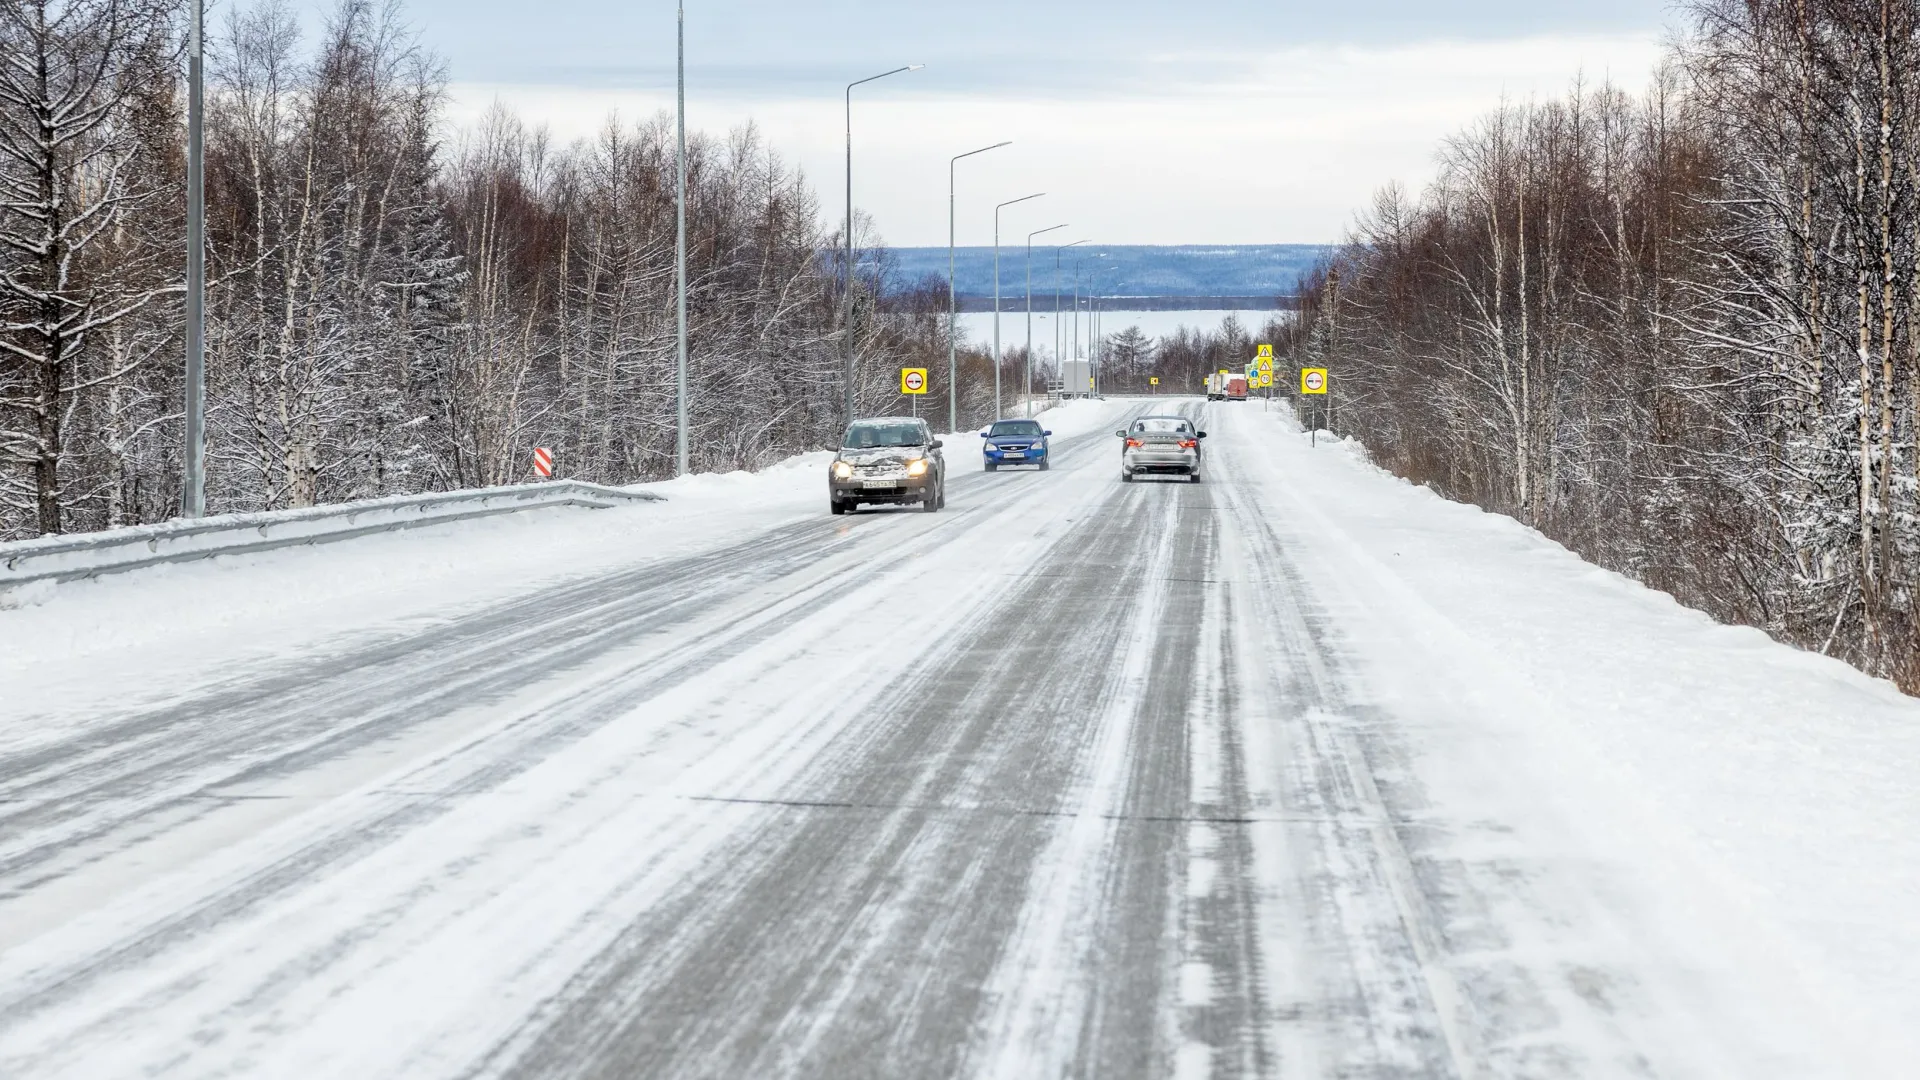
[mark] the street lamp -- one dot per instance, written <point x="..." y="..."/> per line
<point x="1077" y="264"/>
<point x="193" y="497"/>
<point x="846" y="299"/>
<point x="1059" y="328"/>
<point x="996" y="296"/>
<point x="1096" y="324"/>
<point x="1029" y="373"/>
<point x="680" y="246"/>
<point x="953" y="380"/>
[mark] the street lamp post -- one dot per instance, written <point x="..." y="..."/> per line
<point x="996" y="296"/>
<point x="193" y="496"/>
<point x="680" y="245"/>
<point x="846" y="297"/>
<point x="1028" y="390"/>
<point x="1076" y="311"/>
<point x="1059" y="327"/>
<point x="1097" y="322"/>
<point x="953" y="378"/>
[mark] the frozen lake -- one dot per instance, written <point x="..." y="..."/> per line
<point x="977" y="326"/>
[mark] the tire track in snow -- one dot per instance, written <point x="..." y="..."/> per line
<point x="1379" y="990"/>
<point x="863" y="926"/>
<point x="489" y="762"/>
<point x="168" y="768"/>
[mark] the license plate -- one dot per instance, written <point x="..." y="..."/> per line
<point x="1011" y="454"/>
<point x="879" y="483"/>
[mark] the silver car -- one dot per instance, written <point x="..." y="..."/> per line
<point x="889" y="459"/>
<point x="1169" y="445"/>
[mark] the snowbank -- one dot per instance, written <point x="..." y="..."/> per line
<point x="161" y="628"/>
<point x="1751" y="803"/>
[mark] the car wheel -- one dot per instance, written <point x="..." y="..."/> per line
<point x="1126" y="477"/>
<point x="931" y="503"/>
<point x="1193" y="477"/>
<point x="1043" y="465"/>
<point x="991" y="466"/>
<point x="836" y="505"/>
<point x="943" y="494"/>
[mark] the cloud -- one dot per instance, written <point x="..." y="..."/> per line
<point x="1246" y="146"/>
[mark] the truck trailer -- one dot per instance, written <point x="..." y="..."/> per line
<point x="1226" y="387"/>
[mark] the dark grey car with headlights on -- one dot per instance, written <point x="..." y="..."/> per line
<point x="888" y="459"/>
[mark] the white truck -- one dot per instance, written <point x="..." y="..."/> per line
<point x="1226" y="386"/>
<point x="1076" y="378"/>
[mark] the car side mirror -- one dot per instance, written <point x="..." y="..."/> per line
<point x="1122" y="434"/>
<point x="936" y="444"/>
<point x="1203" y="434"/>
<point x="1044" y="434"/>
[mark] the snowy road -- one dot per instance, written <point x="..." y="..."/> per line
<point x="1297" y="772"/>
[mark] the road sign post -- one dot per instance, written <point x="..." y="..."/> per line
<point x="1154" y="381"/>
<point x="913" y="383"/>
<point x="1313" y="382"/>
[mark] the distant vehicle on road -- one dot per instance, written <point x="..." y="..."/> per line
<point x="1228" y="387"/>
<point x="1015" y="442"/>
<point x="888" y="459"/>
<point x="1076" y="379"/>
<point x="1167" y="445"/>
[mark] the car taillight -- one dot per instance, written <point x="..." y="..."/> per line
<point x="1134" y="443"/>
<point x="1188" y="444"/>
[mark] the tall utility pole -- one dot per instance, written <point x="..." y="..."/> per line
<point x="997" y="413"/>
<point x="1028" y="391"/>
<point x="193" y="497"/>
<point x="680" y="241"/>
<point x="846" y="292"/>
<point x="953" y="371"/>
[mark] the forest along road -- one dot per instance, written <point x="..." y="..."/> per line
<point x="1076" y="778"/>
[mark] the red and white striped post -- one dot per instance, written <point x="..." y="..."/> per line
<point x="543" y="462"/>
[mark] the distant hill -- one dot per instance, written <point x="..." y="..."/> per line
<point x="1176" y="275"/>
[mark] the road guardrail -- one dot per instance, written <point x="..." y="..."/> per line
<point x="73" y="557"/>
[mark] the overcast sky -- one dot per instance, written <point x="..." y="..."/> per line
<point x="1206" y="121"/>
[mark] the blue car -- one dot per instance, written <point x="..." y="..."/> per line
<point x="1015" y="442"/>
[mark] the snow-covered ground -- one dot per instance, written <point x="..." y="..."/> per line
<point x="1300" y="771"/>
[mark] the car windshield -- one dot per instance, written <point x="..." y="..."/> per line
<point x="868" y="435"/>
<point x="1161" y="424"/>
<point x="1015" y="427"/>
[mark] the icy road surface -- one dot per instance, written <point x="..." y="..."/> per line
<point x="1298" y="772"/>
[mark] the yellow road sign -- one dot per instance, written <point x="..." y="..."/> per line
<point x="1265" y="350"/>
<point x="1313" y="380"/>
<point x="1264" y="364"/>
<point x="1153" y="380"/>
<point x="913" y="380"/>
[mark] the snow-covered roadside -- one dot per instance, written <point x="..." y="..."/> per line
<point x="149" y="634"/>
<point x="1744" y="812"/>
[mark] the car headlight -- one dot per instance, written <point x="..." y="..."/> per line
<point x="917" y="467"/>
<point x="842" y="470"/>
